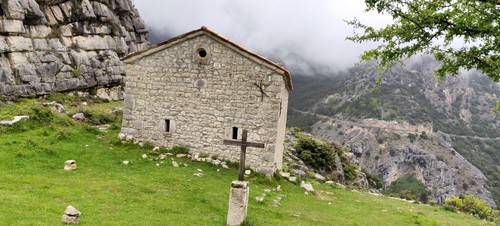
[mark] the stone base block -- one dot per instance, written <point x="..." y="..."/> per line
<point x="238" y="203"/>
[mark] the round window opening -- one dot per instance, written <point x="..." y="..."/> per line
<point x="202" y="53"/>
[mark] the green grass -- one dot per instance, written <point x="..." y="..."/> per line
<point x="35" y="190"/>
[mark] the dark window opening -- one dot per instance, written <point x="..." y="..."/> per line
<point x="235" y="133"/>
<point x="202" y="53"/>
<point x="167" y="125"/>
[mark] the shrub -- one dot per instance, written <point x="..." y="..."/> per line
<point x="412" y="137"/>
<point x="373" y="180"/>
<point x="350" y="171"/>
<point x="41" y="115"/>
<point x="97" y="118"/>
<point x="408" y="187"/>
<point x="315" y="153"/>
<point x="472" y="205"/>
<point x="179" y="149"/>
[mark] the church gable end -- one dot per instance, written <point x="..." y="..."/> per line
<point x="198" y="91"/>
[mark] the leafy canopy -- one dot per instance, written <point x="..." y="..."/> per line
<point x="430" y="27"/>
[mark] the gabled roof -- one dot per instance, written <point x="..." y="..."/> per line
<point x="205" y="31"/>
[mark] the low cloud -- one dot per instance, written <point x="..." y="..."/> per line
<point x="299" y="33"/>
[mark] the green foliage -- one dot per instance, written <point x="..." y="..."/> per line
<point x="472" y="205"/>
<point x="408" y="187"/>
<point x="34" y="188"/>
<point x="412" y="137"/>
<point x="315" y="153"/>
<point x="98" y="118"/>
<point x="373" y="180"/>
<point x="179" y="149"/>
<point x="301" y="120"/>
<point x="350" y="171"/>
<point x="76" y="71"/>
<point x="420" y="25"/>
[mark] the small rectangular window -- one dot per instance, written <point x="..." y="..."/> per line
<point x="167" y="125"/>
<point x="235" y="133"/>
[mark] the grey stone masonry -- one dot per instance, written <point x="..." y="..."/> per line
<point x="63" y="45"/>
<point x="199" y="89"/>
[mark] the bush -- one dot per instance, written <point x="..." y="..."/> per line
<point x="472" y="205"/>
<point x="315" y="153"/>
<point x="408" y="187"/>
<point x="412" y="137"/>
<point x="97" y="118"/>
<point x="179" y="150"/>
<point x="41" y="115"/>
<point x="350" y="171"/>
<point x="373" y="180"/>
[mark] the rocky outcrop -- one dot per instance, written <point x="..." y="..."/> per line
<point x="392" y="153"/>
<point x="60" y="45"/>
<point x="298" y="168"/>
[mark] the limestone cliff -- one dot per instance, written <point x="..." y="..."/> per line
<point x="61" y="45"/>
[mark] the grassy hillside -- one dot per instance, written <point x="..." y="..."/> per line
<point x="35" y="190"/>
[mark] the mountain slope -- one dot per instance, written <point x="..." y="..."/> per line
<point x="455" y="114"/>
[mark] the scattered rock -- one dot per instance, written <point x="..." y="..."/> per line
<point x="248" y="172"/>
<point x="144" y="156"/>
<point x="292" y="179"/>
<point x="319" y="177"/>
<point x="278" y="188"/>
<point x="299" y="173"/>
<point x="56" y="106"/>
<point x="70" y="165"/>
<point x="216" y="162"/>
<point x="14" y="121"/>
<point x="199" y="170"/>
<point x="341" y="186"/>
<point x="329" y="182"/>
<point x="285" y="174"/>
<point x="198" y="174"/>
<point x="70" y="215"/>
<point x="259" y="199"/>
<point x="194" y="157"/>
<point x="181" y="155"/>
<point x="125" y="162"/>
<point x="277" y="202"/>
<point x="162" y="156"/>
<point x="175" y="164"/>
<point x="267" y="190"/>
<point x="157" y="164"/>
<point x="78" y="116"/>
<point x="156" y="148"/>
<point x="307" y="186"/>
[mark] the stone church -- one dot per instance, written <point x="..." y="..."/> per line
<point x="200" y="88"/>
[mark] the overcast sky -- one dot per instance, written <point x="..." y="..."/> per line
<point x="296" y="32"/>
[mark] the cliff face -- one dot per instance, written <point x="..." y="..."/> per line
<point x="392" y="151"/>
<point x="62" y="45"/>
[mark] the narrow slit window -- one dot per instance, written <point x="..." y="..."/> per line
<point x="167" y="125"/>
<point x="235" y="133"/>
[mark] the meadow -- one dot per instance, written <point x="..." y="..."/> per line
<point x="35" y="190"/>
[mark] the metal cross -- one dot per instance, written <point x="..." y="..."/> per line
<point x="261" y="85"/>
<point x="244" y="144"/>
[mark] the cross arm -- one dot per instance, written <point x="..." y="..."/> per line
<point x="246" y="144"/>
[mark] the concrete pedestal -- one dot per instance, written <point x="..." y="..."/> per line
<point x="238" y="203"/>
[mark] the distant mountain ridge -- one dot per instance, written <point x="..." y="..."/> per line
<point x="455" y="115"/>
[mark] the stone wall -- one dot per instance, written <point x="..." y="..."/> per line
<point x="56" y="45"/>
<point x="203" y="99"/>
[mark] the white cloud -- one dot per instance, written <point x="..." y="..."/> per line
<point x="290" y="30"/>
